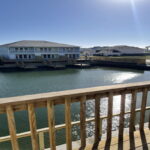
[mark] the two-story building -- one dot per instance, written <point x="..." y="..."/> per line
<point x="30" y="50"/>
<point x="121" y="50"/>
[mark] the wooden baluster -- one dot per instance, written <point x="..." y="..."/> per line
<point x="109" y="120"/>
<point x="33" y="128"/>
<point x="133" y="113"/>
<point x="121" y="122"/>
<point x="12" y="127"/>
<point x="51" y="123"/>
<point x="149" y="121"/>
<point x="41" y="140"/>
<point x="97" y="122"/>
<point x="143" y="105"/>
<point x="83" y="121"/>
<point x="97" y="119"/>
<point x="121" y="119"/>
<point x="68" y="123"/>
<point x="100" y="123"/>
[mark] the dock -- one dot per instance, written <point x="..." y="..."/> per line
<point x="121" y="62"/>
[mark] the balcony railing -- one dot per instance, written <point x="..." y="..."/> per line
<point x="49" y="100"/>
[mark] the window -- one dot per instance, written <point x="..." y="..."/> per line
<point x="20" y="56"/>
<point x="77" y="55"/>
<point x="17" y="57"/>
<point x="115" y="51"/>
<point x="25" y="56"/>
<point x="70" y="56"/>
<point x="44" y="56"/>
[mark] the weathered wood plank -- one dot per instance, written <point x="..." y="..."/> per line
<point x="97" y="118"/>
<point x="41" y="141"/>
<point x="12" y="127"/>
<point x="149" y="121"/>
<point x="133" y="113"/>
<point x="121" y="122"/>
<point x="83" y="121"/>
<point x="51" y="123"/>
<point x="33" y="128"/>
<point x="68" y="123"/>
<point x="121" y="119"/>
<point x="143" y="108"/>
<point x="98" y="123"/>
<point x="109" y="120"/>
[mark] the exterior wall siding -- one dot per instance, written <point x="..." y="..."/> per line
<point x="26" y="53"/>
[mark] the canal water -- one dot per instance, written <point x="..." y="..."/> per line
<point x="22" y="83"/>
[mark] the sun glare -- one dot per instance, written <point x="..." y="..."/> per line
<point x="126" y="1"/>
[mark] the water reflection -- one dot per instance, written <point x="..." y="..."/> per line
<point x="90" y="105"/>
<point x="121" y="77"/>
<point x="20" y="83"/>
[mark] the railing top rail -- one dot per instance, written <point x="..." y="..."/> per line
<point x="72" y="93"/>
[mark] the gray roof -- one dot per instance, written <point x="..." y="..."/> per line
<point x="31" y="43"/>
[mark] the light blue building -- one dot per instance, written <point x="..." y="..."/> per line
<point x="28" y="50"/>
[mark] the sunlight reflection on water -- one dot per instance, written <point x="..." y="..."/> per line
<point x="121" y="77"/>
<point x="104" y="112"/>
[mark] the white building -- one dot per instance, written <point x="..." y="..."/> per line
<point x="121" y="50"/>
<point x="27" y="49"/>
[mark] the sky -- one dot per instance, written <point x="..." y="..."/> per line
<point x="85" y="23"/>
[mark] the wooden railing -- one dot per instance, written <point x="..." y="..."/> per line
<point x="49" y="100"/>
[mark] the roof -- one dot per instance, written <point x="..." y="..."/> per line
<point x="32" y="43"/>
<point x="122" y="47"/>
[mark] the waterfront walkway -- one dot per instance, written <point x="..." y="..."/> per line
<point x="138" y="141"/>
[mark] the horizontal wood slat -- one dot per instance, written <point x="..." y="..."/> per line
<point x="73" y="93"/>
